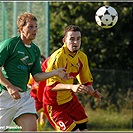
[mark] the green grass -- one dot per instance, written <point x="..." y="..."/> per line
<point x="103" y="120"/>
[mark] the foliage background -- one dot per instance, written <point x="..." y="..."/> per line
<point x="109" y="50"/>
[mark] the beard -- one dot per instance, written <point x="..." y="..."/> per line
<point x="75" y="50"/>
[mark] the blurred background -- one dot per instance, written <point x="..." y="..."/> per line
<point x="110" y="53"/>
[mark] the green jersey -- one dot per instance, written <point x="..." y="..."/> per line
<point x="18" y="61"/>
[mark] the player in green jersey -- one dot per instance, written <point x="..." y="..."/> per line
<point x="19" y="57"/>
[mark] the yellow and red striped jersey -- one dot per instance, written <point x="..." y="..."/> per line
<point x="76" y="65"/>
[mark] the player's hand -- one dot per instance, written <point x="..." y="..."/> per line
<point x="14" y="92"/>
<point x="79" y="88"/>
<point x="61" y="72"/>
<point x="94" y="93"/>
<point x="97" y="95"/>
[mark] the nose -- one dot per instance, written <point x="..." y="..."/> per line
<point x="75" y="41"/>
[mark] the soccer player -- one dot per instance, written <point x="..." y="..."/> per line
<point x="19" y="57"/>
<point x="61" y="105"/>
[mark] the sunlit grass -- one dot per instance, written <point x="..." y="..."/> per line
<point x="103" y="120"/>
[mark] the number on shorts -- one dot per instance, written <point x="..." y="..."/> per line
<point x="62" y="125"/>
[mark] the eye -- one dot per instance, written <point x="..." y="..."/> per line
<point x="79" y="38"/>
<point x="72" y="38"/>
<point x="30" y="27"/>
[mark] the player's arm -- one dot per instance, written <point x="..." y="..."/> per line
<point x="94" y="93"/>
<point x="58" y="72"/>
<point x="78" y="88"/>
<point x="4" y="81"/>
<point x="75" y="88"/>
<point x="13" y="90"/>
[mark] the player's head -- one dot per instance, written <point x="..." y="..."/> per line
<point x="27" y="25"/>
<point x="72" y="38"/>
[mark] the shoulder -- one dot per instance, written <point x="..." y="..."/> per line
<point x="10" y="43"/>
<point x="35" y="49"/>
<point x="10" y="40"/>
<point x="59" y="53"/>
<point x="83" y="57"/>
<point x="82" y="54"/>
<point x="35" y="46"/>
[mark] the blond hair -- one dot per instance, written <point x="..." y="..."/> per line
<point x="24" y="18"/>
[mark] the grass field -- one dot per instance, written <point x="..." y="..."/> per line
<point x="103" y="120"/>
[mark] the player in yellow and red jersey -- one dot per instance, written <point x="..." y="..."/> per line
<point x="61" y="105"/>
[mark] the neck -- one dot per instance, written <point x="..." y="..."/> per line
<point x="25" y="40"/>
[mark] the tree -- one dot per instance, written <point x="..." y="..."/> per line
<point x="108" y="50"/>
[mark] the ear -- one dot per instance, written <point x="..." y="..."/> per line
<point x="21" y="29"/>
<point x="63" y="40"/>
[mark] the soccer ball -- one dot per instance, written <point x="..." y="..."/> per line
<point x="106" y="16"/>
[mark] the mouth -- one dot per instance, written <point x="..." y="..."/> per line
<point x="75" y="47"/>
<point x="34" y="34"/>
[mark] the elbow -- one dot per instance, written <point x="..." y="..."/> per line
<point x="36" y="77"/>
